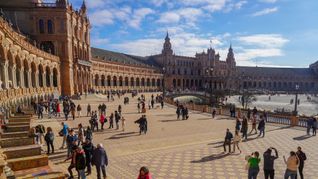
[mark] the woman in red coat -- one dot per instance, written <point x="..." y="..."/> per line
<point x="144" y="173"/>
<point x="58" y="109"/>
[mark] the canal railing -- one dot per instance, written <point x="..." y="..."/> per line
<point x="271" y="117"/>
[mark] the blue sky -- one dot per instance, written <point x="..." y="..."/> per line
<point x="262" y="32"/>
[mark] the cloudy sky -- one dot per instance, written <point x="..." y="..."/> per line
<point x="262" y="32"/>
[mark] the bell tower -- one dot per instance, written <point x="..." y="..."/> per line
<point x="167" y="50"/>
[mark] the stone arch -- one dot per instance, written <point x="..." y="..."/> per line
<point x="103" y="80"/>
<point x="120" y="81"/>
<point x="33" y="74"/>
<point x="174" y="82"/>
<point x="137" y="82"/>
<point x="126" y="81"/>
<point x="40" y="75"/>
<point x="142" y="82"/>
<point x="96" y="80"/>
<point x="26" y="73"/>
<point x="11" y="69"/>
<point x="109" y="78"/>
<point x="48" y="76"/>
<point x="19" y="72"/>
<point x="153" y="82"/>
<point x="132" y="82"/>
<point x="158" y="82"/>
<point x="114" y="81"/>
<point x="55" y="77"/>
<point x="148" y="82"/>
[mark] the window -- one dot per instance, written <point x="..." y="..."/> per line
<point x="50" y="26"/>
<point x="41" y="26"/>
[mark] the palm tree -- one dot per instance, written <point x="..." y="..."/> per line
<point x="247" y="98"/>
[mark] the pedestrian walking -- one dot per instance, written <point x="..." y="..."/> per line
<point x="71" y="157"/>
<point x="314" y="126"/>
<point x="244" y="128"/>
<point x="88" y="134"/>
<point x="253" y="125"/>
<point x="162" y="104"/>
<point x="261" y="127"/>
<point x="80" y="134"/>
<point x="117" y="118"/>
<point x="88" y="149"/>
<point x="236" y="141"/>
<point x="111" y="121"/>
<point x="138" y="107"/>
<point x="102" y="121"/>
<point x="80" y="162"/>
<point x="119" y="109"/>
<point x="64" y="134"/>
<point x="253" y="165"/>
<point x="73" y="110"/>
<point x="123" y="123"/>
<point x="178" y="112"/>
<point x="71" y="140"/>
<point x="49" y="138"/>
<point x="302" y="157"/>
<point x="237" y="124"/>
<point x="227" y="140"/>
<point x="213" y="113"/>
<point x="100" y="160"/>
<point x="79" y="110"/>
<point x="292" y="166"/>
<point x="144" y="173"/>
<point x="269" y="169"/>
<point x="89" y="110"/>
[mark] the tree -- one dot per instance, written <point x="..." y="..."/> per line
<point x="247" y="98"/>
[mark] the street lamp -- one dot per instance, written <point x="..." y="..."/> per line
<point x="163" y="84"/>
<point x="296" y="99"/>
<point x="209" y="73"/>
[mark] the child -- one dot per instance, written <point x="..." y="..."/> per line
<point x="144" y="173"/>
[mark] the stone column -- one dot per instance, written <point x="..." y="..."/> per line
<point x="37" y="79"/>
<point x="5" y="74"/>
<point x="14" y="76"/>
<point x="51" y="80"/>
<point x="30" y="78"/>
<point x="22" y="77"/>
<point x="44" y="79"/>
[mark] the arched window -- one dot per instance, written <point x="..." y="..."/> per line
<point x="41" y="26"/>
<point x="50" y="26"/>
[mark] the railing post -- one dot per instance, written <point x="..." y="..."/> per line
<point x="294" y="120"/>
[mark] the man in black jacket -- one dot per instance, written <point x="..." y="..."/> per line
<point x="302" y="157"/>
<point x="80" y="162"/>
<point x="269" y="162"/>
<point x="100" y="160"/>
<point x="88" y="149"/>
<point x="228" y="140"/>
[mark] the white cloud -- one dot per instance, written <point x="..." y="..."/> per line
<point x="264" y="40"/>
<point x="265" y="11"/>
<point x="102" y="17"/>
<point x="100" y="41"/>
<point x="96" y="3"/>
<point x="169" y="17"/>
<point x="268" y="1"/>
<point x="138" y="16"/>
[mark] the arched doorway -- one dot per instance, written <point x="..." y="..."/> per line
<point x="55" y="77"/>
<point x="47" y="76"/>
<point x="40" y="75"/>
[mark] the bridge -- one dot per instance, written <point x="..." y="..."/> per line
<point x="204" y="96"/>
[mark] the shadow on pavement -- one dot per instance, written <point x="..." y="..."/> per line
<point x="175" y="120"/>
<point x="211" y="158"/>
<point x="204" y="119"/>
<point x="124" y="135"/>
<point x="303" y="137"/>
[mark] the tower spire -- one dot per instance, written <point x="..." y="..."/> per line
<point x="83" y="7"/>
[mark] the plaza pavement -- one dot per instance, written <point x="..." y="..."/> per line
<point x="188" y="149"/>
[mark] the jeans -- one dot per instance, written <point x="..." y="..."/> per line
<point x="50" y="145"/>
<point x="64" y="140"/>
<point x="291" y="174"/>
<point x="98" y="169"/>
<point x="300" y="170"/>
<point x="262" y="131"/>
<point x="244" y="134"/>
<point x="269" y="173"/>
<point x="252" y="173"/>
<point x="81" y="174"/>
<point x="227" y="142"/>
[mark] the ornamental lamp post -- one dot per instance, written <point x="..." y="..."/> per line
<point x="209" y="72"/>
<point x="296" y="100"/>
<point x="163" y="84"/>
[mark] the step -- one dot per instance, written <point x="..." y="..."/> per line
<point x="17" y="128"/>
<point x="22" y="151"/>
<point x="16" y="141"/>
<point x="11" y="123"/>
<point x="45" y="172"/>
<point x="14" y="134"/>
<point x="19" y="120"/>
<point x="28" y="162"/>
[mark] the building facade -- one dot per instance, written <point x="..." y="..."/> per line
<point x="45" y="49"/>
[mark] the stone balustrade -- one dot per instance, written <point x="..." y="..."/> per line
<point x="291" y="120"/>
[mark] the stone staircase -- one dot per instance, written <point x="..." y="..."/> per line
<point x="22" y="156"/>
